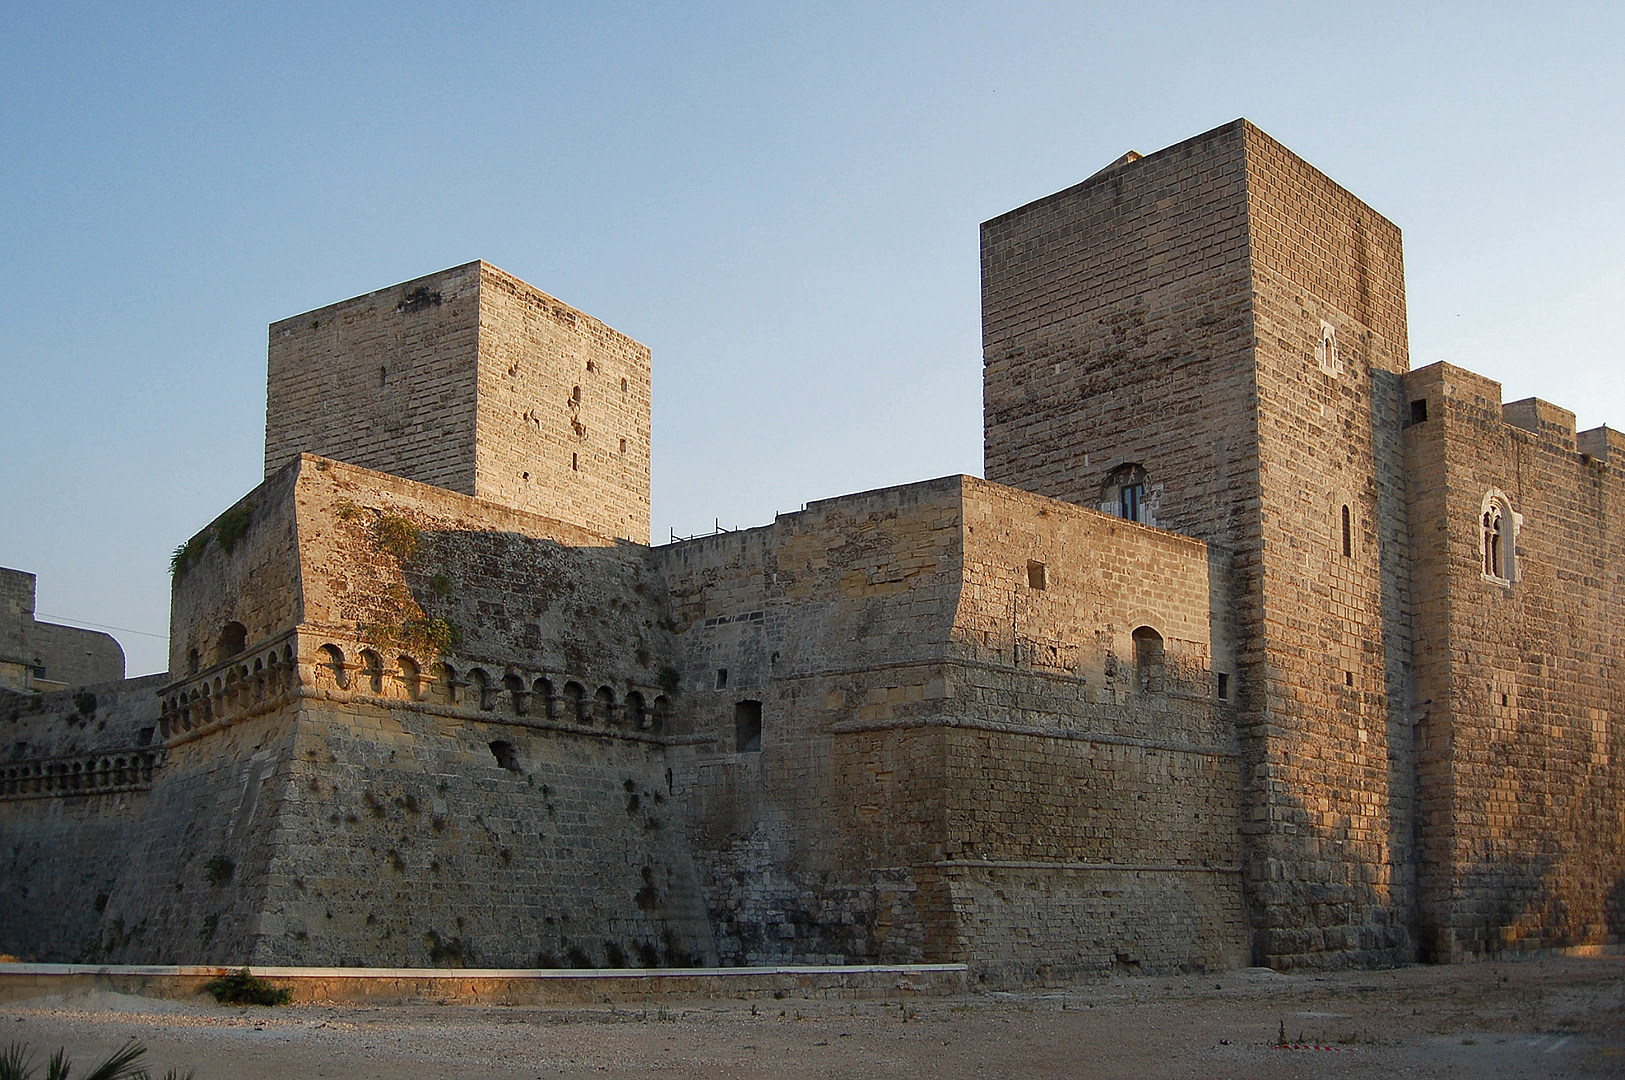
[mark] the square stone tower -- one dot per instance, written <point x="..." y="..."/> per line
<point x="474" y="381"/>
<point x="1211" y="339"/>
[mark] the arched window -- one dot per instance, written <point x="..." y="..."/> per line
<point x="544" y="703"/>
<point x="662" y="712"/>
<point x="637" y="713"/>
<point x="1124" y="493"/>
<point x="603" y="707"/>
<point x="1497" y="539"/>
<point x="411" y="676"/>
<point x="373" y="668"/>
<point x="444" y="687"/>
<point x="480" y="683"/>
<point x="575" y="703"/>
<point x="518" y="696"/>
<point x="1148" y="659"/>
<point x="1493" y="541"/>
<point x="330" y="668"/>
<point x="1326" y="350"/>
<point x="233" y="640"/>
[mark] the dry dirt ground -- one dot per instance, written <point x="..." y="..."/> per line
<point x="1537" y="1019"/>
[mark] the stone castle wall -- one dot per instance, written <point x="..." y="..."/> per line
<point x="1522" y="783"/>
<point x="381" y="795"/>
<point x="74" y="783"/>
<point x="911" y="765"/>
<point x="47" y="656"/>
<point x="1288" y="716"/>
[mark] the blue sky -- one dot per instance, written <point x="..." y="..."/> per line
<point x="780" y="200"/>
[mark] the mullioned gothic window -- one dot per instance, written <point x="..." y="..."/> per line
<point x="1497" y="539"/>
<point x="1326" y="350"/>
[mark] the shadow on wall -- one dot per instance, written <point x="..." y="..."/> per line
<point x="538" y="628"/>
<point x="1522" y="905"/>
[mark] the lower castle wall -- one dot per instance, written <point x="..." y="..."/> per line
<point x="1073" y="855"/>
<point x="195" y="877"/>
<point x="406" y="841"/>
<point x="73" y="793"/>
<point x="60" y="858"/>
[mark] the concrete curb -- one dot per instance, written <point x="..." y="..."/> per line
<point x="496" y="986"/>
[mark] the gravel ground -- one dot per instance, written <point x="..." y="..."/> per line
<point x="1537" y="1019"/>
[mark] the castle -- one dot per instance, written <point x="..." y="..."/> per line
<point x="1254" y="646"/>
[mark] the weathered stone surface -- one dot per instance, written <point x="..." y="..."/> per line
<point x="44" y="656"/>
<point x="1255" y="646"/>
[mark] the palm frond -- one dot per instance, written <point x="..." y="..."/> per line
<point x="120" y="1064"/>
<point x="16" y="1062"/>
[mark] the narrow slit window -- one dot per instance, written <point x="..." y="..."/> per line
<point x="1348" y="535"/>
<point x="1224" y="686"/>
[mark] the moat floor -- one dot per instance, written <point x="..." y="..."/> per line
<point x="1556" y="1018"/>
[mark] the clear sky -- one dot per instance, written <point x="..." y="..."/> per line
<point x="782" y="201"/>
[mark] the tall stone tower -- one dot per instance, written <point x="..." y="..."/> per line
<point x="1211" y="339"/>
<point x="474" y="381"/>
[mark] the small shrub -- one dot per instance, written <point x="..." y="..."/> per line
<point x="218" y="870"/>
<point x="230" y="526"/>
<point x="185" y="555"/>
<point x="453" y="953"/>
<point x="396" y="535"/>
<point x="85" y="702"/>
<point x="242" y="988"/>
<point x="670" y="679"/>
<point x="440" y="585"/>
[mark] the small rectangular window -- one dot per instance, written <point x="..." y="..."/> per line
<point x="1224" y="686"/>
<point x="1348" y="678"/>
<point x="1035" y="574"/>
<point x="722" y="677"/>
<point x="1419" y="411"/>
<point x="748" y="727"/>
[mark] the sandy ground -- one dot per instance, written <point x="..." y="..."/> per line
<point x="1556" y="1018"/>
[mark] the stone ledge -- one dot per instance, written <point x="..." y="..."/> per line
<point x="847" y="727"/>
<point x="496" y="986"/>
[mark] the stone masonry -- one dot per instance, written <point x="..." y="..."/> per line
<point x="1255" y="646"/>
<point x="47" y="656"/>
